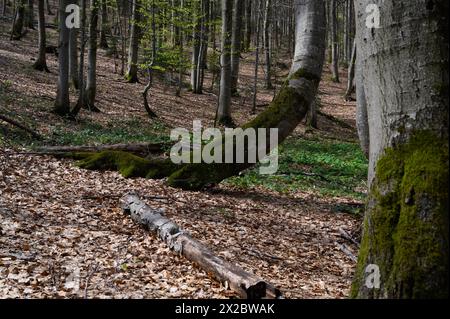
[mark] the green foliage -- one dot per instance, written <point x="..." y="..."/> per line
<point x="321" y="166"/>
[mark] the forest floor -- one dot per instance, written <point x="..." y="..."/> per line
<point x="63" y="234"/>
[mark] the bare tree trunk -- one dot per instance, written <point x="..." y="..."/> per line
<point x="406" y="228"/>
<point x="91" y="81"/>
<point x="18" y="22"/>
<point x="248" y="25"/>
<point x="29" y="16"/>
<point x="334" y="42"/>
<point x="73" y="57"/>
<point x="49" y="9"/>
<point x="224" y="109"/>
<point x="196" y="37"/>
<point x="41" y="62"/>
<point x="267" y="23"/>
<point x="255" y="76"/>
<point x="62" y="102"/>
<point x="132" y="76"/>
<point x="236" y="43"/>
<point x="104" y="27"/>
<point x="80" y="102"/>
<point x="351" y="74"/>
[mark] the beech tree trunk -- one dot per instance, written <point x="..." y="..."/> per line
<point x="351" y="74"/>
<point x="238" y="9"/>
<point x="267" y="18"/>
<point x="104" y="28"/>
<point x="62" y="102"/>
<point x="41" y="62"/>
<point x="133" y="51"/>
<point x="406" y="227"/>
<point x="18" y="22"/>
<point x="245" y="284"/>
<point x="73" y="57"/>
<point x="334" y="42"/>
<point x="224" y="108"/>
<point x="91" y="80"/>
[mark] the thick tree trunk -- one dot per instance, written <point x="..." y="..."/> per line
<point x="41" y="62"/>
<point x="91" y="80"/>
<point x="334" y="42"/>
<point x="406" y="228"/>
<point x="238" y="8"/>
<point x="132" y="76"/>
<point x="62" y="102"/>
<point x="224" y="108"/>
<point x="80" y="102"/>
<point x="245" y="284"/>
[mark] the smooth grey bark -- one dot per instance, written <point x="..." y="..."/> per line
<point x="73" y="57"/>
<point x="224" y="109"/>
<point x="91" y="80"/>
<point x="18" y="22"/>
<point x="133" y="50"/>
<point x="62" y="102"/>
<point x="334" y="41"/>
<point x="267" y="53"/>
<point x="406" y="228"/>
<point x="196" y="35"/>
<point x="238" y="9"/>
<point x="41" y="62"/>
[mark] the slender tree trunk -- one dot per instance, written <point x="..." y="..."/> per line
<point x="267" y="23"/>
<point x="351" y="74"/>
<point x="196" y="45"/>
<point x="224" y="110"/>
<point x="49" y="9"/>
<point x="133" y="51"/>
<point x="104" y="28"/>
<point x="73" y="57"/>
<point x="255" y="76"/>
<point x="41" y="62"/>
<point x="406" y="228"/>
<point x="236" y="43"/>
<point x="29" y="16"/>
<point x="18" y="22"/>
<point x="334" y="42"/>
<point x="91" y="81"/>
<point x="80" y="102"/>
<point x="248" y="25"/>
<point x="62" y="102"/>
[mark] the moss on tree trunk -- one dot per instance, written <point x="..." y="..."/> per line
<point x="406" y="225"/>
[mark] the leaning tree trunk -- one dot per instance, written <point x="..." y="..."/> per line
<point x="286" y="111"/>
<point x="41" y="62"/>
<point x="406" y="227"/>
<point x="18" y="22"/>
<point x="132" y="73"/>
<point x="351" y="75"/>
<point x="62" y="102"/>
<point x="236" y="43"/>
<point x="224" y="108"/>
<point x="289" y="106"/>
<point x="91" y="80"/>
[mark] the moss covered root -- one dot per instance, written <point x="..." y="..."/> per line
<point x="127" y="164"/>
<point x="406" y="226"/>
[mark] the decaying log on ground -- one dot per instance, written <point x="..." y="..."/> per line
<point x="136" y="148"/>
<point x="247" y="285"/>
<point x="21" y="126"/>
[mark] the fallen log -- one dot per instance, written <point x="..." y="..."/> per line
<point x="21" y="126"/>
<point x="136" y="148"/>
<point x="245" y="284"/>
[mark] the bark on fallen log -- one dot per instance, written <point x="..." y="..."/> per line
<point x="136" y="148"/>
<point x="245" y="284"/>
<point x="21" y="126"/>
